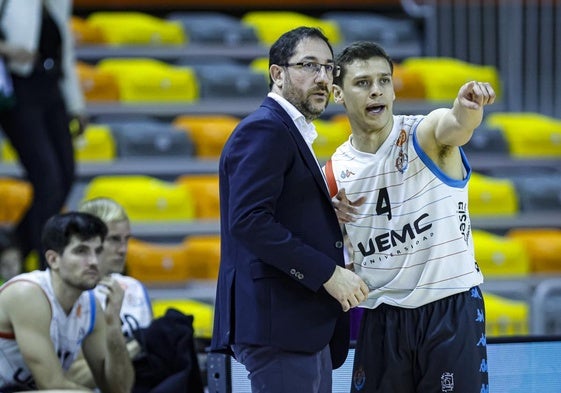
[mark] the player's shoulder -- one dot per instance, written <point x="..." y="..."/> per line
<point x="22" y="287"/>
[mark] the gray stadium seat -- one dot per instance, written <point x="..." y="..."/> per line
<point x="232" y="81"/>
<point x="214" y="28"/>
<point x="487" y="140"/>
<point x="124" y="118"/>
<point x="546" y="308"/>
<point x="151" y="140"/>
<point x="540" y="192"/>
<point x="387" y="31"/>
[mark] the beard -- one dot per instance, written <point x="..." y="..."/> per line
<point x="82" y="283"/>
<point x="304" y="101"/>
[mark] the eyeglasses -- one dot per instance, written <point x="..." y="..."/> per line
<point x="312" y="68"/>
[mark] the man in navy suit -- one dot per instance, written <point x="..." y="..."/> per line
<point x="283" y="290"/>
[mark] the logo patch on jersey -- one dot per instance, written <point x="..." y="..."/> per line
<point x="346" y="173"/>
<point x="402" y="160"/>
<point x="402" y="138"/>
<point x="359" y="378"/>
<point x="447" y="382"/>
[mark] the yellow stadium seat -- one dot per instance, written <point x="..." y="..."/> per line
<point x="147" y="80"/>
<point x="209" y="133"/>
<point x="505" y="317"/>
<point x="97" y="85"/>
<point x="203" y="256"/>
<point x="489" y="196"/>
<point x="145" y="198"/>
<point x="330" y="136"/>
<point x="203" y="313"/>
<point x="444" y="76"/>
<point x="95" y="144"/>
<point x="85" y="33"/>
<point x="408" y="83"/>
<point x="15" y="196"/>
<point x="529" y="134"/>
<point x="157" y="263"/>
<point x="204" y="189"/>
<point x="500" y="255"/>
<point x="136" y="28"/>
<point x="543" y="246"/>
<point x="270" y="25"/>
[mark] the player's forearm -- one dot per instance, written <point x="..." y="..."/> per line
<point x="466" y="119"/>
<point x="80" y="373"/>
<point x="119" y="370"/>
<point x="457" y="124"/>
<point x="61" y="384"/>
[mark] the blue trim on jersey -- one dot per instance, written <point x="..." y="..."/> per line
<point x="436" y="170"/>
<point x="148" y="301"/>
<point x="93" y="312"/>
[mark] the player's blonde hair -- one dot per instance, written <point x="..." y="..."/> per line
<point x="105" y="208"/>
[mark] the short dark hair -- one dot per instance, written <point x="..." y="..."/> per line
<point x="60" y="228"/>
<point x="284" y="47"/>
<point x="361" y="50"/>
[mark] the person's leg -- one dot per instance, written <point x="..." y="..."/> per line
<point x="29" y="132"/>
<point x="453" y="351"/>
<point x="272" y="370"/>
<point x="382" y="362"/>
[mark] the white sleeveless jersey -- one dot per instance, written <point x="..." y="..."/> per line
<point x="67" y="333"/>
<point x="412" y="241"/>
<point x="136" y="310"/>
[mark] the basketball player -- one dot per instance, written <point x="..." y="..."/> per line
<point x="423" y="328"/>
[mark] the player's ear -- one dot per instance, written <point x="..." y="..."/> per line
<point x="52" y="257"/>
<point x="338" y="95"/>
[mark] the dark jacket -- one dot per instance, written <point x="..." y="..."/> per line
<point x="280" y="241"/>
<point x="169" y="360"/>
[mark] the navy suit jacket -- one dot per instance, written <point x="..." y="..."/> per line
<point x="280" y="241"/>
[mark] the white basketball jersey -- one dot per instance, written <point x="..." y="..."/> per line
<point x="136" y="310"/>
<point x="67" y="333"/>
<point x="412" y="241"/>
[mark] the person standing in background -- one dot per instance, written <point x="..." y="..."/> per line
<point x="38" y="48"/>
<point x="423" y="328"/>
<point x="283" y="290"/>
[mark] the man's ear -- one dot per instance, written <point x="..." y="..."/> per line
<point x="52" y="258"/>
<point x="276" y="73"/>
<point x="338" y="95"/>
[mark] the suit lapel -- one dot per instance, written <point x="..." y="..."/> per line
<point x="309" y="158"/>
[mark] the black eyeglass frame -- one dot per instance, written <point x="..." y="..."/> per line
<point x="316" y="67"/>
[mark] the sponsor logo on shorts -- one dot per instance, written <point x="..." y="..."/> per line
<point x="359" y="378"/>
<point x="447" y="382"/>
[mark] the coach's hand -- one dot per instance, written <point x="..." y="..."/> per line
<point x="347" y="287"/>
